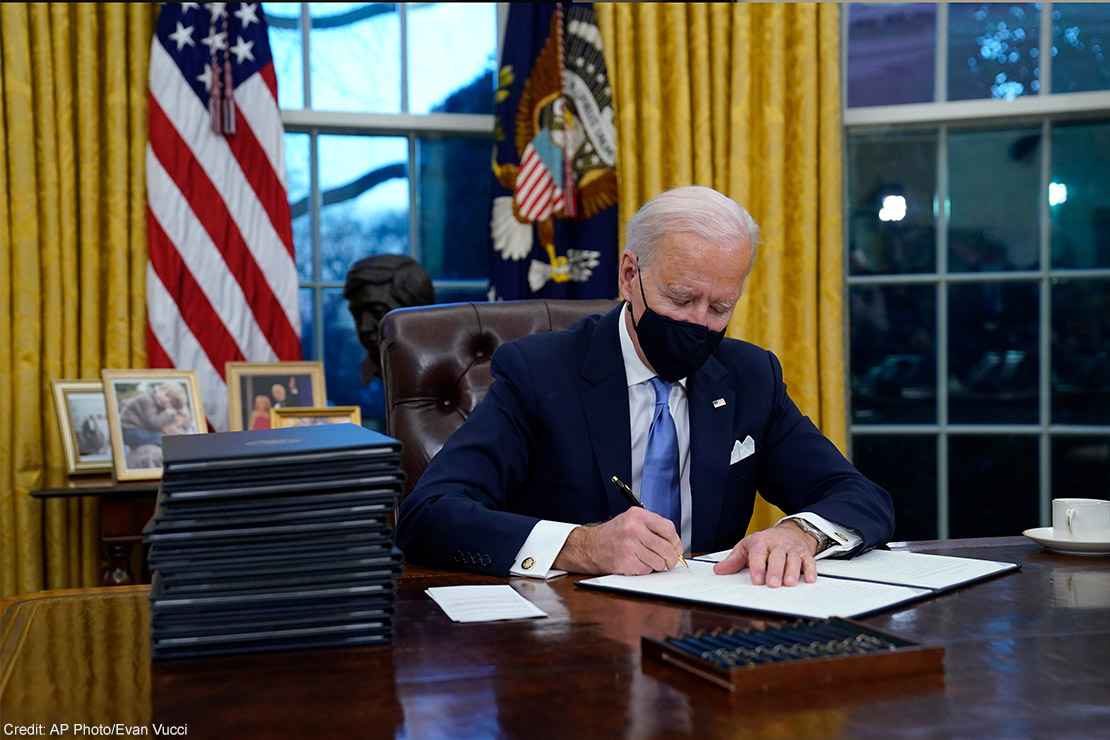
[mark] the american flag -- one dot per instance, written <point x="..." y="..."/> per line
<point x="537" y="192"/>
<point x="221" y="281"/>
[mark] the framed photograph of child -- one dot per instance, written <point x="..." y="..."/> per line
<point x="83" y="423"/>
<point x="255" y="388"/>
<point x="307" y="417"/>
<point x="144" y="405"/>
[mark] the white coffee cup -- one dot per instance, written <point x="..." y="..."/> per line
<point x="1081" y="519"/>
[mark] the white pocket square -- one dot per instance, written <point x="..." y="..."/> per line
<point x="740" y="450"/>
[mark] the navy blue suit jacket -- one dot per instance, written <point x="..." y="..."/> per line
<point x="554" y="428"/>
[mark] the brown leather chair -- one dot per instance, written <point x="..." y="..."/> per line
<point x="436" y="364"/>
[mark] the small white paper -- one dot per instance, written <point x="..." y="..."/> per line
<point x="483" y="603"/>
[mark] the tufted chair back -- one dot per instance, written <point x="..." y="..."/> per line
<point x="436" y="364"/>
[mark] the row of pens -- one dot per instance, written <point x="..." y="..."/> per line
<point x="800" y="640"/>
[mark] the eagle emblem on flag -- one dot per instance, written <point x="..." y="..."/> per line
<point x="561" y="162"/>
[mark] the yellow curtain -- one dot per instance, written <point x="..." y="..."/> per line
<point x="745" y="98"/>
<point x="73" y="79"/>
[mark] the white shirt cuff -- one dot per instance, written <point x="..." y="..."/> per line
<point x="843" y="540"/>
<point x="538" y="553"/>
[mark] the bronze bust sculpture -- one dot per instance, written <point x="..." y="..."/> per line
<point x="377" y="285"/>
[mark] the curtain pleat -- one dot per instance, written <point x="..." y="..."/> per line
<point x="9" y="567"/>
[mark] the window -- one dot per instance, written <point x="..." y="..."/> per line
<point x="388" y="118"/>
<point x="978" y="259"/>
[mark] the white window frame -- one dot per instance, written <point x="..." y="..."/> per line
<point x="410" y="125"/>
<point x="1044" y="108"/>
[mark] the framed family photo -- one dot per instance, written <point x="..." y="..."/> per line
<point x="144" y="405"/>
<point x="307" y="417"/>
<point x="254" y="389"/>
<point x="83" y="423"/>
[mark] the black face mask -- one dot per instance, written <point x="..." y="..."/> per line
<point x="676" y="349"/>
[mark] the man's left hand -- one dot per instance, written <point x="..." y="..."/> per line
<point x="778" y="556"/>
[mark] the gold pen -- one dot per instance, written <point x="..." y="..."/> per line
<point x="627" y="491"/>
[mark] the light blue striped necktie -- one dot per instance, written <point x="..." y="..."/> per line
<point x="659" y="484"/>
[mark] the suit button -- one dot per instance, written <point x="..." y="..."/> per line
<point x="528" y="563"/>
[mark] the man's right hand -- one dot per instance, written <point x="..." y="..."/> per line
<point x="634" y="543"/>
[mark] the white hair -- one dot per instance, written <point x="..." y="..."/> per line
<point x="692" y="209"/>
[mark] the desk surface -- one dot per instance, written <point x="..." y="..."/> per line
<point x="1028" y="654"/>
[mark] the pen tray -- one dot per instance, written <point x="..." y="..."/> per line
<point x="806" y="653"/>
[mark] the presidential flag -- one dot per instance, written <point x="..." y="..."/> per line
<point x="221" y="281"/>
<point x="553" y="219"/>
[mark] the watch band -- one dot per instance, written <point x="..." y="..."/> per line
<point x="823" y="540"/>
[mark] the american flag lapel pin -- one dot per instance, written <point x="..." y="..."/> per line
<point x="718" y="403"/>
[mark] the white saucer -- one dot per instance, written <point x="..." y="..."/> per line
<point x="1044" y="536"/>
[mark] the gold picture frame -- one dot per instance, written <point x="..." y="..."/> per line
<point x="83" y="423"/>
<point x="143" y="406"/>
<point x="302" y="416"/>
<point x="248" y="406"/>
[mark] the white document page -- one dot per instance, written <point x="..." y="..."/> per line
<point x="828" y="597"/>
<point x="483" y="603"/>
<point x="912" y="568"/>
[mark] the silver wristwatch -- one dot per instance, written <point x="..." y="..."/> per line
<point x="823" y="540"/>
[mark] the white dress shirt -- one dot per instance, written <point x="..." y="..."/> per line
<point x="547" y="538"/>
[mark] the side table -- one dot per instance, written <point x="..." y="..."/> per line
<point x="125" y="508"/>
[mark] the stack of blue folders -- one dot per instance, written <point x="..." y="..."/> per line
<point x="274" y="540"/>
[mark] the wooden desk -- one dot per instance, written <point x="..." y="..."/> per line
<point x="124" y="509"/>
<point x="1028" y="656"/>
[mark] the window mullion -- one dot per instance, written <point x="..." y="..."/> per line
<point x="306" y="39"/>
<point x="1046" y="49"/>
<point x="414" y="200"/>
<point x="1045" y="378"/>
<point x="403" y="15"/>
<point x="941" y="218"/>
<point x="317" y="260"/>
